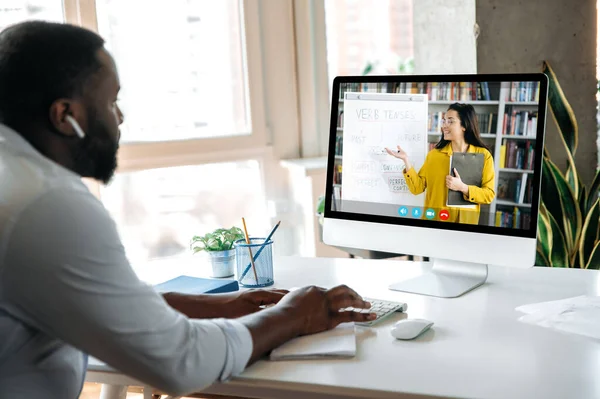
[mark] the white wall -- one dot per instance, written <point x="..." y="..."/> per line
<point x="444" y="36"/>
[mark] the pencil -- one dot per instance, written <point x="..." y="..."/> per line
<point x="250" y="250"/>
<point x="261" y="248"/>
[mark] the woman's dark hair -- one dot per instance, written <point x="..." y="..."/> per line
<point x="468" y="120"/>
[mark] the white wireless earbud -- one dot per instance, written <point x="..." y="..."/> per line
<point x="76" y="126"/>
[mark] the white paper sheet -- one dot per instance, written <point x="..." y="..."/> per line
<point x="339" y="342"/>
<point x="577" y="315"/>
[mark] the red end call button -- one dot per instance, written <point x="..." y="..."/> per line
<point x="444" y="214"/>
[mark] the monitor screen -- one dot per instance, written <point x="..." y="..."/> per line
<point x="455" y="152"/>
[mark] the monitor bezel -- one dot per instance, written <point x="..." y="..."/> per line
<point x="402" y="221"/>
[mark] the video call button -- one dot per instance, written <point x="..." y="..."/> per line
<point x="444" y="214"/>
<point x="429" y="213"/>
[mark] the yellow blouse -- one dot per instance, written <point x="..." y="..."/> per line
<point x="432" y="178"/>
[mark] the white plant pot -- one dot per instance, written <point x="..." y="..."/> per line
<point x="223" y="263"/>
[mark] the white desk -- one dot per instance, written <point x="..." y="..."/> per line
<point x="476" y="349"/>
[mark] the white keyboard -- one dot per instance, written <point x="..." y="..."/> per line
<point x="382" y="308"/>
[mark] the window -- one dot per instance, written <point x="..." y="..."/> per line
<point x="363" y="33"/>
<point x="158" y="211"/>
<point x="191" y="93"/>
<point x="15" y="11"/>
<point x="183" y="67"/>
<point x="195" y="154"/>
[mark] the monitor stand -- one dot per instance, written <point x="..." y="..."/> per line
<point x="447" y="279"/>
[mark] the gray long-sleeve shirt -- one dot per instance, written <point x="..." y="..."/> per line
<point x="67" y="290"/>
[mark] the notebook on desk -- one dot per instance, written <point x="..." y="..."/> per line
<point x="337" y="343"/>
<point x="195" y="285"/>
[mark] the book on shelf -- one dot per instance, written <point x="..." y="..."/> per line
<point x="502" y="160"/>
<point x="436" y="91"/>
<point x="337" y="196"/>
<point x="523" y="92"/>
<point x="522" y="188"/>
<point x="519" y="122"/>
<point x="461" y="91"/>
<point x="339" y="144"/>
<point x="514" y="155"/>
<point x="516" y="219"/>
<point x="337" y="174"/>
<point x="516" y="189"/>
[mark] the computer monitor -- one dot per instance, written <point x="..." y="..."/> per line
<point x="390" y="187"/>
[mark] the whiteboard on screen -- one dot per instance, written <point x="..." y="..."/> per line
<point x="372" y="122"/>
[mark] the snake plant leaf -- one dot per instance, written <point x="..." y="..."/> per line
<point x="540" y="258"/>
<point x="590" y="234"/>
<point x="594" y="261"/>
<point x="569" y="215"/>
<point x="565" y="120"/>
<point x="573" y="180"/>
<point x="562" y="112"/>
<point x="544" y="233"/>
<point x="594" y="190"/>
<point x="559" y="255"/>
<point x="583" y="199"/>
<point x="576" y="260"/>
<point x="549" y="192"/>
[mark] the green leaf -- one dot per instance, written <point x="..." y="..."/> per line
<point x="368" y="68"/>
<point x="219" y="240"/>
<point x="590" y="234"/>
<point x="576" y="262"/>
<point x="574" y="181"/>
<point x="582" y="198"/>
<point x="594" y="189"/>
<point x="561" y="203"/>
<point x="594" y="261"/>
<point x="540" y="259"/>
<point x="549" y="192"/>
<point x="562" y="112"/>
<point x="544" y="234"/>
<point x="321" y="205"/>
<point x="559" y="256"/>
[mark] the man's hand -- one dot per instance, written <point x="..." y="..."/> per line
<point x="246" y="302"/>
<point x="303" y="311"/>
<point x="230" y="305"/>
<point x="320" y="308"/>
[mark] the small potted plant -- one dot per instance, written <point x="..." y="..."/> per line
<point x="219" y="246"/>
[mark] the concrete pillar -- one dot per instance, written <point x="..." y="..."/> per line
<point x="444" y="38"/>
<point x="517" y="35"/>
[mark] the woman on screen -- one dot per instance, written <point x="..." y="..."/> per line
<point x="460" y="133"/>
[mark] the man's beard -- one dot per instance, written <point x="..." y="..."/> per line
<point x="97" y="153"/>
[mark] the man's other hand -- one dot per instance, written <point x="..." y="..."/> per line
<point x="322" y="309"/>
<point x="246" y="302"/>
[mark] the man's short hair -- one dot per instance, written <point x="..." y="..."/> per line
<point x="41" y="62"/>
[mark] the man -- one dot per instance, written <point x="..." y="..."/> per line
<point x="66" y="287"/>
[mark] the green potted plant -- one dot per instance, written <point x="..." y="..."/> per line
<point x="569" y="217"/>
<point x="219" y="246"/>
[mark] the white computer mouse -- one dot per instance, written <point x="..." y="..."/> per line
<point x="410" y="328"/>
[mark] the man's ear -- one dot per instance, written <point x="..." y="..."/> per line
<point x="58" y="116"/>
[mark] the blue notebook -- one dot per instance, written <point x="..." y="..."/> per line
<point x="195" y="285"/>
